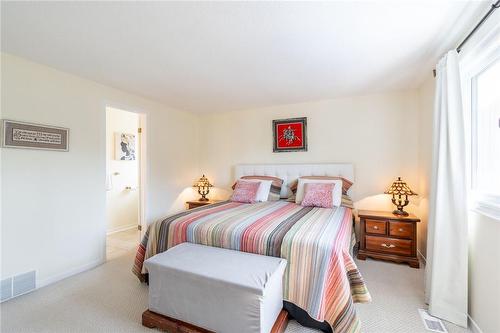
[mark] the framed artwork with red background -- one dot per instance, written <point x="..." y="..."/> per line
<point x="290" y="135"/>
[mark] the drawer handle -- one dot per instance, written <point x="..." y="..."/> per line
<point x="390" y="246"/>
<point x="375" y="227"/>
<point x="401" y="229"/>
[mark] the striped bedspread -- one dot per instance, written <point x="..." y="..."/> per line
<point x="321" y="277"/>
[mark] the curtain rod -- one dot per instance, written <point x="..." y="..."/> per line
<point x="485" y="17"/>
<point x="494" y="6"/>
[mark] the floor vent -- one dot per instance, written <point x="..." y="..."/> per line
<point x="6" y="289"/>
<point x="431" y="323"/>
<point x="23" y="283"/>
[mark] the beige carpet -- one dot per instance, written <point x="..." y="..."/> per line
<point x="110" y="299"/>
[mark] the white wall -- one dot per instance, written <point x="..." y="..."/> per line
<point x="377" y="133"/>
<point x="122" y="205"/>
<point x="53" y="203"/>
<point x="484" y="272"/>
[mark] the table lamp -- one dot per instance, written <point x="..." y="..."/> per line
<point x="203" y="185"/>
<point x="398" y="189"/>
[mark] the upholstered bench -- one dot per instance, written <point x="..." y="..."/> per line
<point x="197" y="288"/>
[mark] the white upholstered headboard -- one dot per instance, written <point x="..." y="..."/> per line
<point x="291" y="172"/>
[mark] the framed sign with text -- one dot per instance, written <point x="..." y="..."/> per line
<point x="16" y="134"/>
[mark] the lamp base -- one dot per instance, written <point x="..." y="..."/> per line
<point x="400" y="212"/>
<point x="203" y="199"/>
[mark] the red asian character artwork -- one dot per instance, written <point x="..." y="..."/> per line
<point x="290" y="135"/>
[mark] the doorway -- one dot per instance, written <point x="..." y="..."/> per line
<point x="123" y="181"/>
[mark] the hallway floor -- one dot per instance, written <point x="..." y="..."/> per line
<point x="121" y="243"/>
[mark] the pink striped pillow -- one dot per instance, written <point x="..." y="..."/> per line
<point x="245" y="191"/>
<point x="274" y="193"/>
<point x="318" y="195"/>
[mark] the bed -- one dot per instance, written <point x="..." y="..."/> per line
<point x="321" y="281"/>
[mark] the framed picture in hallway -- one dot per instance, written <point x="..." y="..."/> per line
<point x="125" y="147"/>
<point x="290" y="135"/>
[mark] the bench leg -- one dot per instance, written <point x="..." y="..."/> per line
<point x="281" y="322"/>
<point x="152" y="319"/>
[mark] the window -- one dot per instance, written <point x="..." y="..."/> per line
<point x="482" y="100"/>
<point x="486" y="129"/>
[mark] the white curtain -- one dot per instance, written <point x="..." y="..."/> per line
<point x="446" y="270"/>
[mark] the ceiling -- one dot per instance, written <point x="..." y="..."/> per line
<point x="224" y="56"/>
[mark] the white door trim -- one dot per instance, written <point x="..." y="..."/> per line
<point x="143" y="160"/>
<point x="143" y="153"/>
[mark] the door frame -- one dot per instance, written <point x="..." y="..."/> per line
<point x="143" y="153"/>
<point x="142" y="140"/>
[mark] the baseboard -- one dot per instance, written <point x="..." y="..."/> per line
<point x="128" y="227"/>
<point x="56" y="278"/>
<point x="474" y="327"/>
<point x="421" y="256"/>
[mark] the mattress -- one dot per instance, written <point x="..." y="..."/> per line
<point x="321" y="277"/>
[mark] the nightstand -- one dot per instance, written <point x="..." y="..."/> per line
<point x="386" y="236"/>
<point x="196" y="203"/>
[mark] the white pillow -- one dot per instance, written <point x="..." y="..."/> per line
<point x="264" y="188"/>
<point x="336" y="193"/>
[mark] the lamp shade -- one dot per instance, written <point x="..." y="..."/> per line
<point x="399" y="187"/>
<point x="202" y="182"/>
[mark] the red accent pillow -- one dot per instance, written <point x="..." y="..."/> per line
<point x="318" y="195"/>
<point x="245" y="191"/>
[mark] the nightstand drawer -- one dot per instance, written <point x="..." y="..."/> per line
<point x="389" y="245"/>
<point x="375" y="227"/>
<point x="401" y="229"/>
